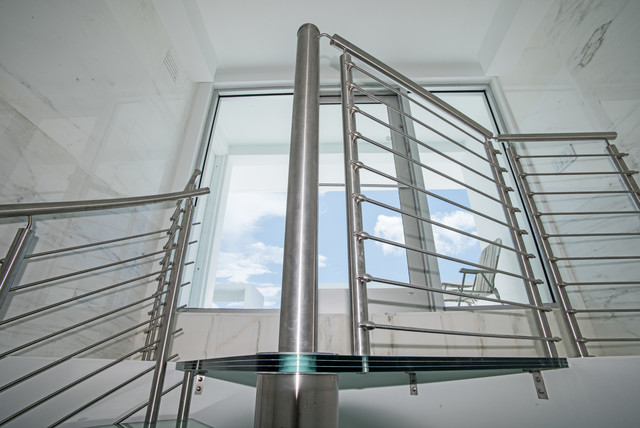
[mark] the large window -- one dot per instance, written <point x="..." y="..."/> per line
<point x="239" y="256"/>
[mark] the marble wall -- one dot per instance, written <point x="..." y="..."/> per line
<point x="93" y="104"/>
<point x="580" y="73"/>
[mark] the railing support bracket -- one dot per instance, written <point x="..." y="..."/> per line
<point x="538" y="383"/>
<point x="413" y="383"/>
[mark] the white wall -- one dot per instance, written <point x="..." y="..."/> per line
<point x="94" y="103"/>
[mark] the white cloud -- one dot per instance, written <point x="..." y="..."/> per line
<point x="322" y="261"/>
<point x="244" y="210"/>
<point x="238" y="267"/>
<point x="446" y="241"/>
<point x="450" y="242"/>
<point x="389" y="227"/>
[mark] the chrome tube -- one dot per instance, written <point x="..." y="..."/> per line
<point x="72" y="299"/>
<point x="364" y="198"/>
<point x="68" y="357"/>
<point x="12" y="261"/>
<point x="430" y="128"/>
<point x="182" y="417"/>
<point x="364" y="235"/>
<point x="407" y="83"/>
<point x="625" y="174"/>
<point x="69" y="386"/>
<point x="416" y="162"/>
<point x="357" y="288"/>
<point x="93" y="244"/>
<point x="531" y="285"/>
<point x="74" y="326"/>
<point x="101" y="397"/>
<point x="372" y="326"/>
<point x="578" y="347"/>
<point x="435" y="195"/>
<point x="298" y="309"/>
<point x="368" y="278"/>
<point x="143" y="405"/>
<point x="404" y="94"/>
<point x="567" y="136"/>
<point x="80" y="272"/>
<point x="41" y="208"/>
<point x="306" y="400"/>
<point x="168" y="320"/>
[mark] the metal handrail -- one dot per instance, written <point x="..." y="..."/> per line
<point x="44" y="208"/>
<point x="563" y="136"/>
<point x="370" y="60"/>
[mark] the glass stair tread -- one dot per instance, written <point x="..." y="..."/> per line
<point x="366" y="371"/>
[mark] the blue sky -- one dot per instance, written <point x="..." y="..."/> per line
<point x="252" y="246"/>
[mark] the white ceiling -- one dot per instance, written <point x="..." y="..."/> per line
<point x="255" y="39"/>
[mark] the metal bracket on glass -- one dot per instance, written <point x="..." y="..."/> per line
<point x="199" y="384"/>
<point x="413" y="383"/>
<point x="538" y="382"/>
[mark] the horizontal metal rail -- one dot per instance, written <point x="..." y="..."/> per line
<point x="102" y="397"/>
<point x="587" y="213"/>
<point x="83" y="271"/>
<point x="569" y="136"/>
<point x="558" y="174"/>
<point x="80" y="324"/>
<point x="363" y="198"/>
<point x="420" y="143"/>
<point x="591" y="235"/>
<point x="416" y="162"/>
<point x="583" y="192"/>
<point x="571" y="284"/>
<point x="82" y="296"/>
<point x="146" y="403"/>
<point x="430" y="128"/>
<point x="372" y="326"/>
<point x="72" y="384"/>
<point x="373" y="62"/>
<point x="364" y="235"/>
<point x="553" y="259"/>
<point x="71" y="355"/>
<point x="606" y="310"/>
<point x="369" y="278"/>
<point x="42" y="208"/>
<point x="610" y="339"/>
<point x="424" y="107"/>
<point x="435" y="195"/>
<point x="93" y="244"/>
<point x="572" y="155"/>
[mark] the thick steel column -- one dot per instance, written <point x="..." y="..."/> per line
<point x="298" y="308"/>
<point x="305" y="400"/>
<point x="297" y="400"/>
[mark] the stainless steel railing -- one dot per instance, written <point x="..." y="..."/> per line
<point x="424" y="130"/>
<point x="124" y="333"/>
<point x="585" y="207"/>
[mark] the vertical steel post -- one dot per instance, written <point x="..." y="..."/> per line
<point x="13" y="260"/>
<point x="625" y="174"/>
<point x="357" y="286"/>
<point x="539" y="317"/>
<point x="168" y="320"/>
<point x="298" y="308"/>
<point x="578" y="347"/>
<point x="185" y="399"/>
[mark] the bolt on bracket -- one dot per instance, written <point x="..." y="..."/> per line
<point x="413" y="384"/>
<point x="538" y="382"/>
<point x="199" y="386"/>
